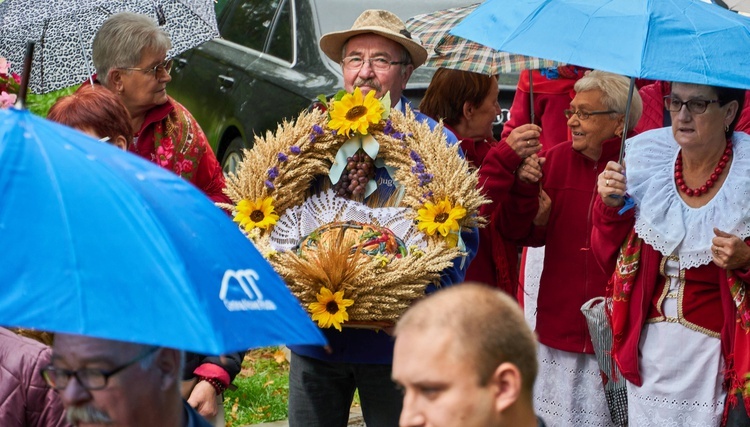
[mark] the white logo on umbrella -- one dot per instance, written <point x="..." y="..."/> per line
<point x="252" y="298"/>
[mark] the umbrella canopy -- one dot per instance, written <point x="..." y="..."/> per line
<point x="457" y="53"/>
<point x="100" y="242"/>
<point x="64" y="31"/>
<point x="675" y="40"/>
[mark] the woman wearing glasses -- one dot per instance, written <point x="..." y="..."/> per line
<point x="568" y="390"/>
<point x="129" y="53"/>
<point x="681" y="314"/>
<point x="467" y="104"/>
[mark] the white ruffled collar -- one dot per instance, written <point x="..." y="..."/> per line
<point x="663" y="220"/>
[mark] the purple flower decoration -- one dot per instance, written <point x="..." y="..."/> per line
<point x="425" y="178"/>
<point x="398" y="135"/>
<point x="388" y="129"/>
<point x="269" y="184"/>
<point x="273" y="173"/>
<point x="282" y="157"/>
<point x="427" y="195"/>
<point x="294" y="149"/>
<point x="317" y="130"/>
<point x="418" y="168"/>
<point x="415" y="156"/>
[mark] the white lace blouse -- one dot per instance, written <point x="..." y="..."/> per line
<point x="663" y="219"/>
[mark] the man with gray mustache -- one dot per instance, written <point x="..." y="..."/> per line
<point x="118" y="384"/>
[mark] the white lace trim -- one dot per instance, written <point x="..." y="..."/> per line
<point x="663" y="220"/>
<point x="326" y="207"/>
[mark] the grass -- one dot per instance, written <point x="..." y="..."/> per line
<point x="262" y="389"/>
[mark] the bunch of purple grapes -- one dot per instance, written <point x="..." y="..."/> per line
<point x="360" y="168"/>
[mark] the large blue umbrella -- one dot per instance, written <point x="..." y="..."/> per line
<point x="675" y="40"/>
<point x="100" y="242"/>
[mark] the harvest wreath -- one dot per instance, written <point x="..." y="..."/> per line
<point x="352" y="252"/>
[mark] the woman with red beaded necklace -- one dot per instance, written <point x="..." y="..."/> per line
<point x="680" y="316"/>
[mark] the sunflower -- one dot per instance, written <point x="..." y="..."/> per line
<point x="355" y="114"/>
<point x="258" y="213"/>
<point x="441" y="217"/>
<point x="330" y="310"/>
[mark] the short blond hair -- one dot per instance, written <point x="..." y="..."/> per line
<point x="487" y="324"/>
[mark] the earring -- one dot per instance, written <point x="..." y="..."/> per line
<point x="726" y="128"/>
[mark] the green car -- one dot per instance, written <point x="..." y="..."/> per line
<point x="267" y="66"/>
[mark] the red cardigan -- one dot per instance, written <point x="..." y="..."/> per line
<point x="570" y="276"/>
<point x="496" y="261"/>
<point x="171" y="138"/>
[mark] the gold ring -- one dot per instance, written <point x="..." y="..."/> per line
<point x="716" y="252"/>
<point x="606" y="182"/>
<point x="528" y="143"/>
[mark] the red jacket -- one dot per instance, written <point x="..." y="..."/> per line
<point x="496" y="261"/>
<point x="551" y="97"/>
<point x="171" y="138"/>
<point x="25" y="399"/>
<point x="570" y="276"/>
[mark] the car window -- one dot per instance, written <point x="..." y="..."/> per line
<point x="281" y="40"/>
<point x="249" y="23"/>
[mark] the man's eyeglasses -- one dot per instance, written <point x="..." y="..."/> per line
<point x="90" y="379"/>
<point x="353" y="63"/>
<point x="695" y="106"/>
<point x="165" y="66"/>
<point x="583" y="115"/>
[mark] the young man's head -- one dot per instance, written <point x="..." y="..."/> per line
<point x="465" y="357"/>
<point x="117" y="384"/>
<point x="377" y="53"/>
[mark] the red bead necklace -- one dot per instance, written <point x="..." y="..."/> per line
<point x="695" y="192"/>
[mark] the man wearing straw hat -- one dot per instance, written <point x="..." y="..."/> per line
<point x="379" y="54"/>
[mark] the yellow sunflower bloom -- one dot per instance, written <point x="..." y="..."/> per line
<point x="353" y="113"/>
<point x="256" y="214"/>
<point x="441" y="217"/>
<point x="330" y="310"/>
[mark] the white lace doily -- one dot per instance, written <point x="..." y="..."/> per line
<point x="663" y="220"/>
<point x="326" y="207"/>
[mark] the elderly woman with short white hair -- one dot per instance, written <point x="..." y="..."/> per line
<point x="569" y="390"/>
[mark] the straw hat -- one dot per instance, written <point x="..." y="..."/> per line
<point x="380" y="22"/>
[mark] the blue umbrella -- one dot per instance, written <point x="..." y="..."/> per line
<point x="675" y="40"/>
<point x="100" y="242"/>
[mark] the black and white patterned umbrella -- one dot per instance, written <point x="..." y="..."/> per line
<point x="64" y="30"/>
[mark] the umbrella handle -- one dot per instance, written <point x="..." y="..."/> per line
<point x="531" y="97"/>
<point x="26" y="74"/>
<point x="627" y="117"/>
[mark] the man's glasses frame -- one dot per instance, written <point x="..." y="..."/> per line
<point x="694" y="106"/>
<point x="583" y="115"/>
<point x="355" y="63"/>
<point x="165" y="66"/>
<point x="88" y="378"/>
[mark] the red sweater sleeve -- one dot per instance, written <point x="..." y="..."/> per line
<point x="608" y="232"/>
<point x="517" y="217"/>
<point x="208" y="177"/>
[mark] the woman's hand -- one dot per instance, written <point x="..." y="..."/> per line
<point x="530" y="170"/>
<point x="612" y="182"/>
<point x="203" y="399"/>
<point x="545" y="206"/>
<point x="524" y="140"/>
<point x="730" y="252"/>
